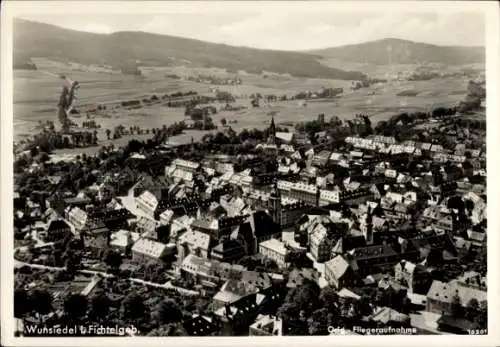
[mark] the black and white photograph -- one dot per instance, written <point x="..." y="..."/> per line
<point x="258" y="170"/>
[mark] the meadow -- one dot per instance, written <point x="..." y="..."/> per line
<point x="36" y="94"/>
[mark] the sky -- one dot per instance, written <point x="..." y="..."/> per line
<point x="280" y="29"/>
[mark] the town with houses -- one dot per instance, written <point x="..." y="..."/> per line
<point x="332" y="228"/>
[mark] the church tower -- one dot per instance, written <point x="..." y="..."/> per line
<point x="367" y="227"/>
<point x="275" y="203"/>
<point x="272" y="132"/>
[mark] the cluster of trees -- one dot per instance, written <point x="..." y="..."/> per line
<point x="91" y="124"/>
<point x="258" y="263"/>
<point x="179" y="95"/>
<point x="360" y="84"/>
<point x="47" y="141"/>
<point x="150" y="100"/>
<point x="476" y="93"/>
<point x="308" y="311"/>
<point x="153" y="312"/>
<point x="173" y="76"/>
<point x="47" y="124"/>
<point x="224" y="96"/>
<point x="422" y="75"/>
<point x="474" y="311"/>
<point x="323" y="93"/>
<point x="190" y="102"/>
<point x="215" y="80"/>
<point x="98" y="108"/>
<point x="137" y="130"/>
<point x="126" y="103"/>
<point x="197" y="112"/>
<point x="361" y="126"/>
<point x="160" y="135"/>
<point x="152" y="272"/>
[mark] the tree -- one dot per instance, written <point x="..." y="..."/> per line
<point x="163" y="233"/>
<point x="167" y="311"/>
<point x="482" y="316"/>
<point x="169" y="330"/>
<point x="223" y="121"/>
<point x="108" y="134"/>
<point x="75" y="307"/>
<point x="329" y="298"/>
<point x="113" y="259"/>
<point x="41" y="301"/>
<point x="22" y="303"/>
<point x="99" y="306"/>
<point x="319" y="321"/>
<point x="456" y="307"/>
<point x="472" y="309"/>
<point x="298" y="260"/>
<point x="133" y="307"/>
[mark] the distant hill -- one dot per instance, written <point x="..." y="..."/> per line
<point x="396" y="51"/>
<point x="122" y="50"/>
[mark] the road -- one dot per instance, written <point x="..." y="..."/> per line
<point x="167" y="285"/>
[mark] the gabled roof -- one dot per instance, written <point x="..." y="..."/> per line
<point x="444" y="292"/>
<point x="199" y="326"/>
<point x="339" y="266"/>
<point x="386" y="315"/>
<point x="373" y="252"/>
<point x="58" y="224"/>
<point x="149" y="247"/>
<point x="287" y="137"/>
<point x="195" y="239"/>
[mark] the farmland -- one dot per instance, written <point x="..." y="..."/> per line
<point x="36" y="94"/>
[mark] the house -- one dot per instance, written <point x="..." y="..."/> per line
<point x="321" y="242"/>
<point x="266" y="325"/>
<point x="242" y="284"/>
<point x="394" y="288"/>
<point x="238" y="316"/>
<point x="285" y="137"/>
<point x="199" y="325"/>
<point x="297" y="277"/>
<point x="478" y="239"/>
<point x="97" y="239"/>
<point x="412" y="276"/>
<point x="386" y="316"/>
<point x="441" y="295"/>
<point x="321" y="158"/>
<point x="195" y="242"/>
<point x="199" y="269"/>
<point x="57" y="230"/>
<point x="147" y="203"/>
<point x="347" y="296"/>
<point x="145" y="250"/>
<point x="434" y="249"/>
<point x="275" y="250"/>
<point x="463" y="246"/>
<point x="372" y="258"/>
<point x="228" y="250"/>
<point x="121" y="239"/>
<point x="155" y="185"/>
<point x="77" y="217"/>
<point x="341" y="272"/>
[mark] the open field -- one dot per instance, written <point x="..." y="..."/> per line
<point x="36" y="94"/>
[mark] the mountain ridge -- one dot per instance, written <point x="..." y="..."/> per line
<point x="123" y="49"/>
<point x="400" y="51"/>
